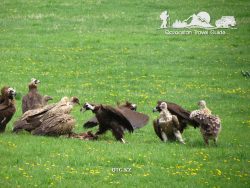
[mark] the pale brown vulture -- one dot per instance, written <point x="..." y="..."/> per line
<point x="33" y="99"/>
<point x="137" y="119"/>
<point x="7" y="107"/>
<point x="110" y="118"/>
<point x="181" y="113"/>
<point x="210" y="125"/>
<point x="58" y="120"/>
<point x="45" y="120"/>
<point x="167" y="125"/>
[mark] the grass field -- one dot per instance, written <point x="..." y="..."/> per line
<point x="107" y="51"/>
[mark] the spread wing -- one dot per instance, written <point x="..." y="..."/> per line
<point x="119" y="117"/>
<point x="182" y="114"/>
<point x="91" y="123"/>
<point x="157" y="129"/>
<point x="136" y="119"/>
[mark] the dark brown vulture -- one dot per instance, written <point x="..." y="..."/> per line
<point x="33" y="119"/>
<point x="167" y="125"/>
<point x="7" y="107"/>
<point x="137" y="119"/>
<point x="182" y="115"/>
<point x="33" y="99"/>
<point x="110" y="118"/>
<point x="210" y="125"/>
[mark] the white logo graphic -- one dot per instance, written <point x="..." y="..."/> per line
<point x="200" y="20"/>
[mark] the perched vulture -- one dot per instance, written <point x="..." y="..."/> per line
<point x="33" y="99"/>
<point x="182" y="115"/>
<point x="110" y="118"/>
<point x="137" y="119"/>
<point x="210" y="125"/>
<point x="7" y="107"/>
<point x="33" y="119"/>
<point x="167" y="125"/>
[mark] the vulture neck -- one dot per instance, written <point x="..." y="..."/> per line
<point x="7" y="101"/>
<point x="32" y="88"/>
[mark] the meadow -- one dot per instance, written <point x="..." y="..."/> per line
<point x="106" y="51"/>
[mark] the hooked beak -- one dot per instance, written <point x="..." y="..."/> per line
<point x="83" y="109"/>
<point x="155" y="110"/>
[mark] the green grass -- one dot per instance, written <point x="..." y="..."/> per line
<point x="107" y="51"/>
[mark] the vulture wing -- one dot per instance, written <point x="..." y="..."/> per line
<point x="117" y="115"/>
<point x="182" y="114"/>
<point x="91" y="123"/>
<point x="157" y="129"/>
<point x="31" y="119"/>
<point x="56" y="125"/>
<point x="136" y="119"/>
<point x="3" y="107"/>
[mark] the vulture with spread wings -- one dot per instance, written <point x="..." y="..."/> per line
<point x="137" y="119"/>
<point x="115" y="119"/>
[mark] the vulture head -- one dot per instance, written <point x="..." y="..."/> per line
<point x="74" y="101"/>
<point x="160" y="106"/>
<point x="202" y="104"/>
<point x="34" y="83"/>
<point x="88" y="106"/>
<point x="128" y="105"/>
<point x="11" y="93"/>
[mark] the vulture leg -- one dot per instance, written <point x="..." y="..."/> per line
<point x="215" y="141"/>
<point x="178" y="136"/>
<point x="102" y="130"/>
<point x="117" y="131"/>
<point x="2" y="127"/>
<point x="164" y="136"/>
<point x="206" y="141"/>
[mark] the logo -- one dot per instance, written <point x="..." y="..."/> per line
<point x="202" y="20"/>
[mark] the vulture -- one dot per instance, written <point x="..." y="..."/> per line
<point x="110" y="118"/>
<point x="32" y="120"/>
<point x="167" y="125"/>
<point x="58" y="120"/>
<point x="182" y="114"/>
<point x="33" y="99"/>
<point x="7" y="106"/>
<point x="138" y="120"/>
<point x="210" y="125"/>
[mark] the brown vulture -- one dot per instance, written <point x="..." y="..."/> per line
<point x="182" y="115"/>
<point x="7" y="107"/>
<point x="58" y="120"/>
<point x="167" y="125"/>
<point x="33" y="119"/>
<point x="137" y="119"/>
<point x="210" y="125"/>
<point x="33" y="99"/>
<point x="110" y="118"/>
